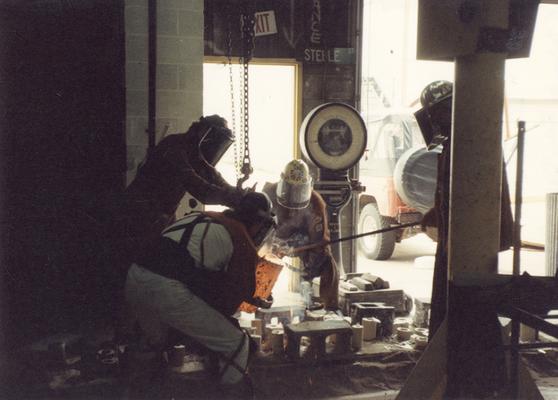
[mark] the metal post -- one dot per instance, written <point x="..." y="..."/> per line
<point x="551" y="235"/>
<point x="355" y="171"/>
<point x="476" y="174"/>
<point x="476" y="164"/>
<point x="515" y="328"/>
<point x="518" y="197"/>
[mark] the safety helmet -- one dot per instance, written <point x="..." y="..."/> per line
<point x="257" y="208"/>
<point x="434" y="118"/>
<point x="295" y="187"/>
<point x="213" y="136"/>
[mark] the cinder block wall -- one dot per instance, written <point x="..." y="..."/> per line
<point x="179" y="72"/>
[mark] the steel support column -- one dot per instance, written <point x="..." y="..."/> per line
<point x="475" y="185"/>
<point x="476" y="164"/>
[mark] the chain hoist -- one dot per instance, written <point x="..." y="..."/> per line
<point x="242" y="160"/>
<point x="238" y="142"/>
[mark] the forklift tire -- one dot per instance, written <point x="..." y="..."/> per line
<point x="381" y="245"/>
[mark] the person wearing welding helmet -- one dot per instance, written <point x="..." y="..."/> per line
<point x="196" y="277"/>
<point x="302" y="219"/>
<point x="179" y="163"/>
<point x="434" y="119"/>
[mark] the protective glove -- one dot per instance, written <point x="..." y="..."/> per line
<point x="298" y="239"/>
<point x="236" y="194"/>
<point x="262" y="303"/>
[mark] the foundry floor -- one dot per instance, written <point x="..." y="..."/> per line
<point x="380" y="367"/>
<point x="377" y="372"/>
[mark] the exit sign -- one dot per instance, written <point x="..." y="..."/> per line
<point x="265" y="23"/>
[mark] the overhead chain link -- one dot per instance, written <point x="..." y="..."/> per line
<point x="240" y="142"/>
<point x="237" y="143"/>
<point x="242" y="161"/>
<point x="247" y="47"/>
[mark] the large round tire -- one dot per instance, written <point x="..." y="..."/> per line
<point x="379" y="246"/>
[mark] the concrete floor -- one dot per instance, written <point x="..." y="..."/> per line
<point x="412" y="264"/>
<point x="409" y="269"/>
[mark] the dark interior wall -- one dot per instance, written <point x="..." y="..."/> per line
<point x="63" y="154"/>
<point x="301" y="25"/>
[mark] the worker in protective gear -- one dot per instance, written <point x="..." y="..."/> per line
<point x="434" y="119"/>
<point x="202" y="268"/>
<point x="180" y="163"/>
<point x="301" y="220"/>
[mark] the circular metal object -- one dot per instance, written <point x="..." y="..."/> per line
<point x="415" y="177"/>
<point x="333" y="136"/>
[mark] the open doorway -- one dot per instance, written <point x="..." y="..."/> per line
<point x="273" y="122"/>
<point x="392" y="79"/>
<point x="272" y="114"/>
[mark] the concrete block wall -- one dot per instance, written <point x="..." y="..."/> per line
<point x="179" y="72"/>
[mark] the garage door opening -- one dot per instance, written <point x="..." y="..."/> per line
<point x="392" y="80"/>
<point x="273" y="122"/>
<point x="272" y="115"/>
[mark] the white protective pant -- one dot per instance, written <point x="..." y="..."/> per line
<point x="159" y="303"/>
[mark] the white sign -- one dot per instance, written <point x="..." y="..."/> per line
<point x="265" y="23"/>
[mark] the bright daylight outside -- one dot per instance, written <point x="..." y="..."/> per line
<point x="392" y="80"/>
<point x="271" y="126"/>
<point x="271" y="115"/>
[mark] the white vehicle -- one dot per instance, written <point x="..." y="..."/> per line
<point x="399" y="175"/>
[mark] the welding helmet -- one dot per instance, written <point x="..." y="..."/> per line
<point x="295" y="187"/>
<point x="255" y="208"/>
<point x="434" y="118"/>
<point x="214" y="138"/>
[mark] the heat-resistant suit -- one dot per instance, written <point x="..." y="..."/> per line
<point x="201" y="271"/>
<point x="149" y="204"/>
<point x="304" y="226"/>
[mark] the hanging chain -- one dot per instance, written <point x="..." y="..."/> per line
<point x="247" y="36"/>
<point x="238" y="140"/>
<point x="245" y="119"/>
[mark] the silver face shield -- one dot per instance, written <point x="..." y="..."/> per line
<point x="294" y="195"/>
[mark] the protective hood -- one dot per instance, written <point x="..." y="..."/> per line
<point x="265" y="233"/>
<point x="256" y="208"/>
<point x="434" y="118"/>
<point x="295" y="187"/>
<point x="294" y="195"/>
<point x="215" y="142"/>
